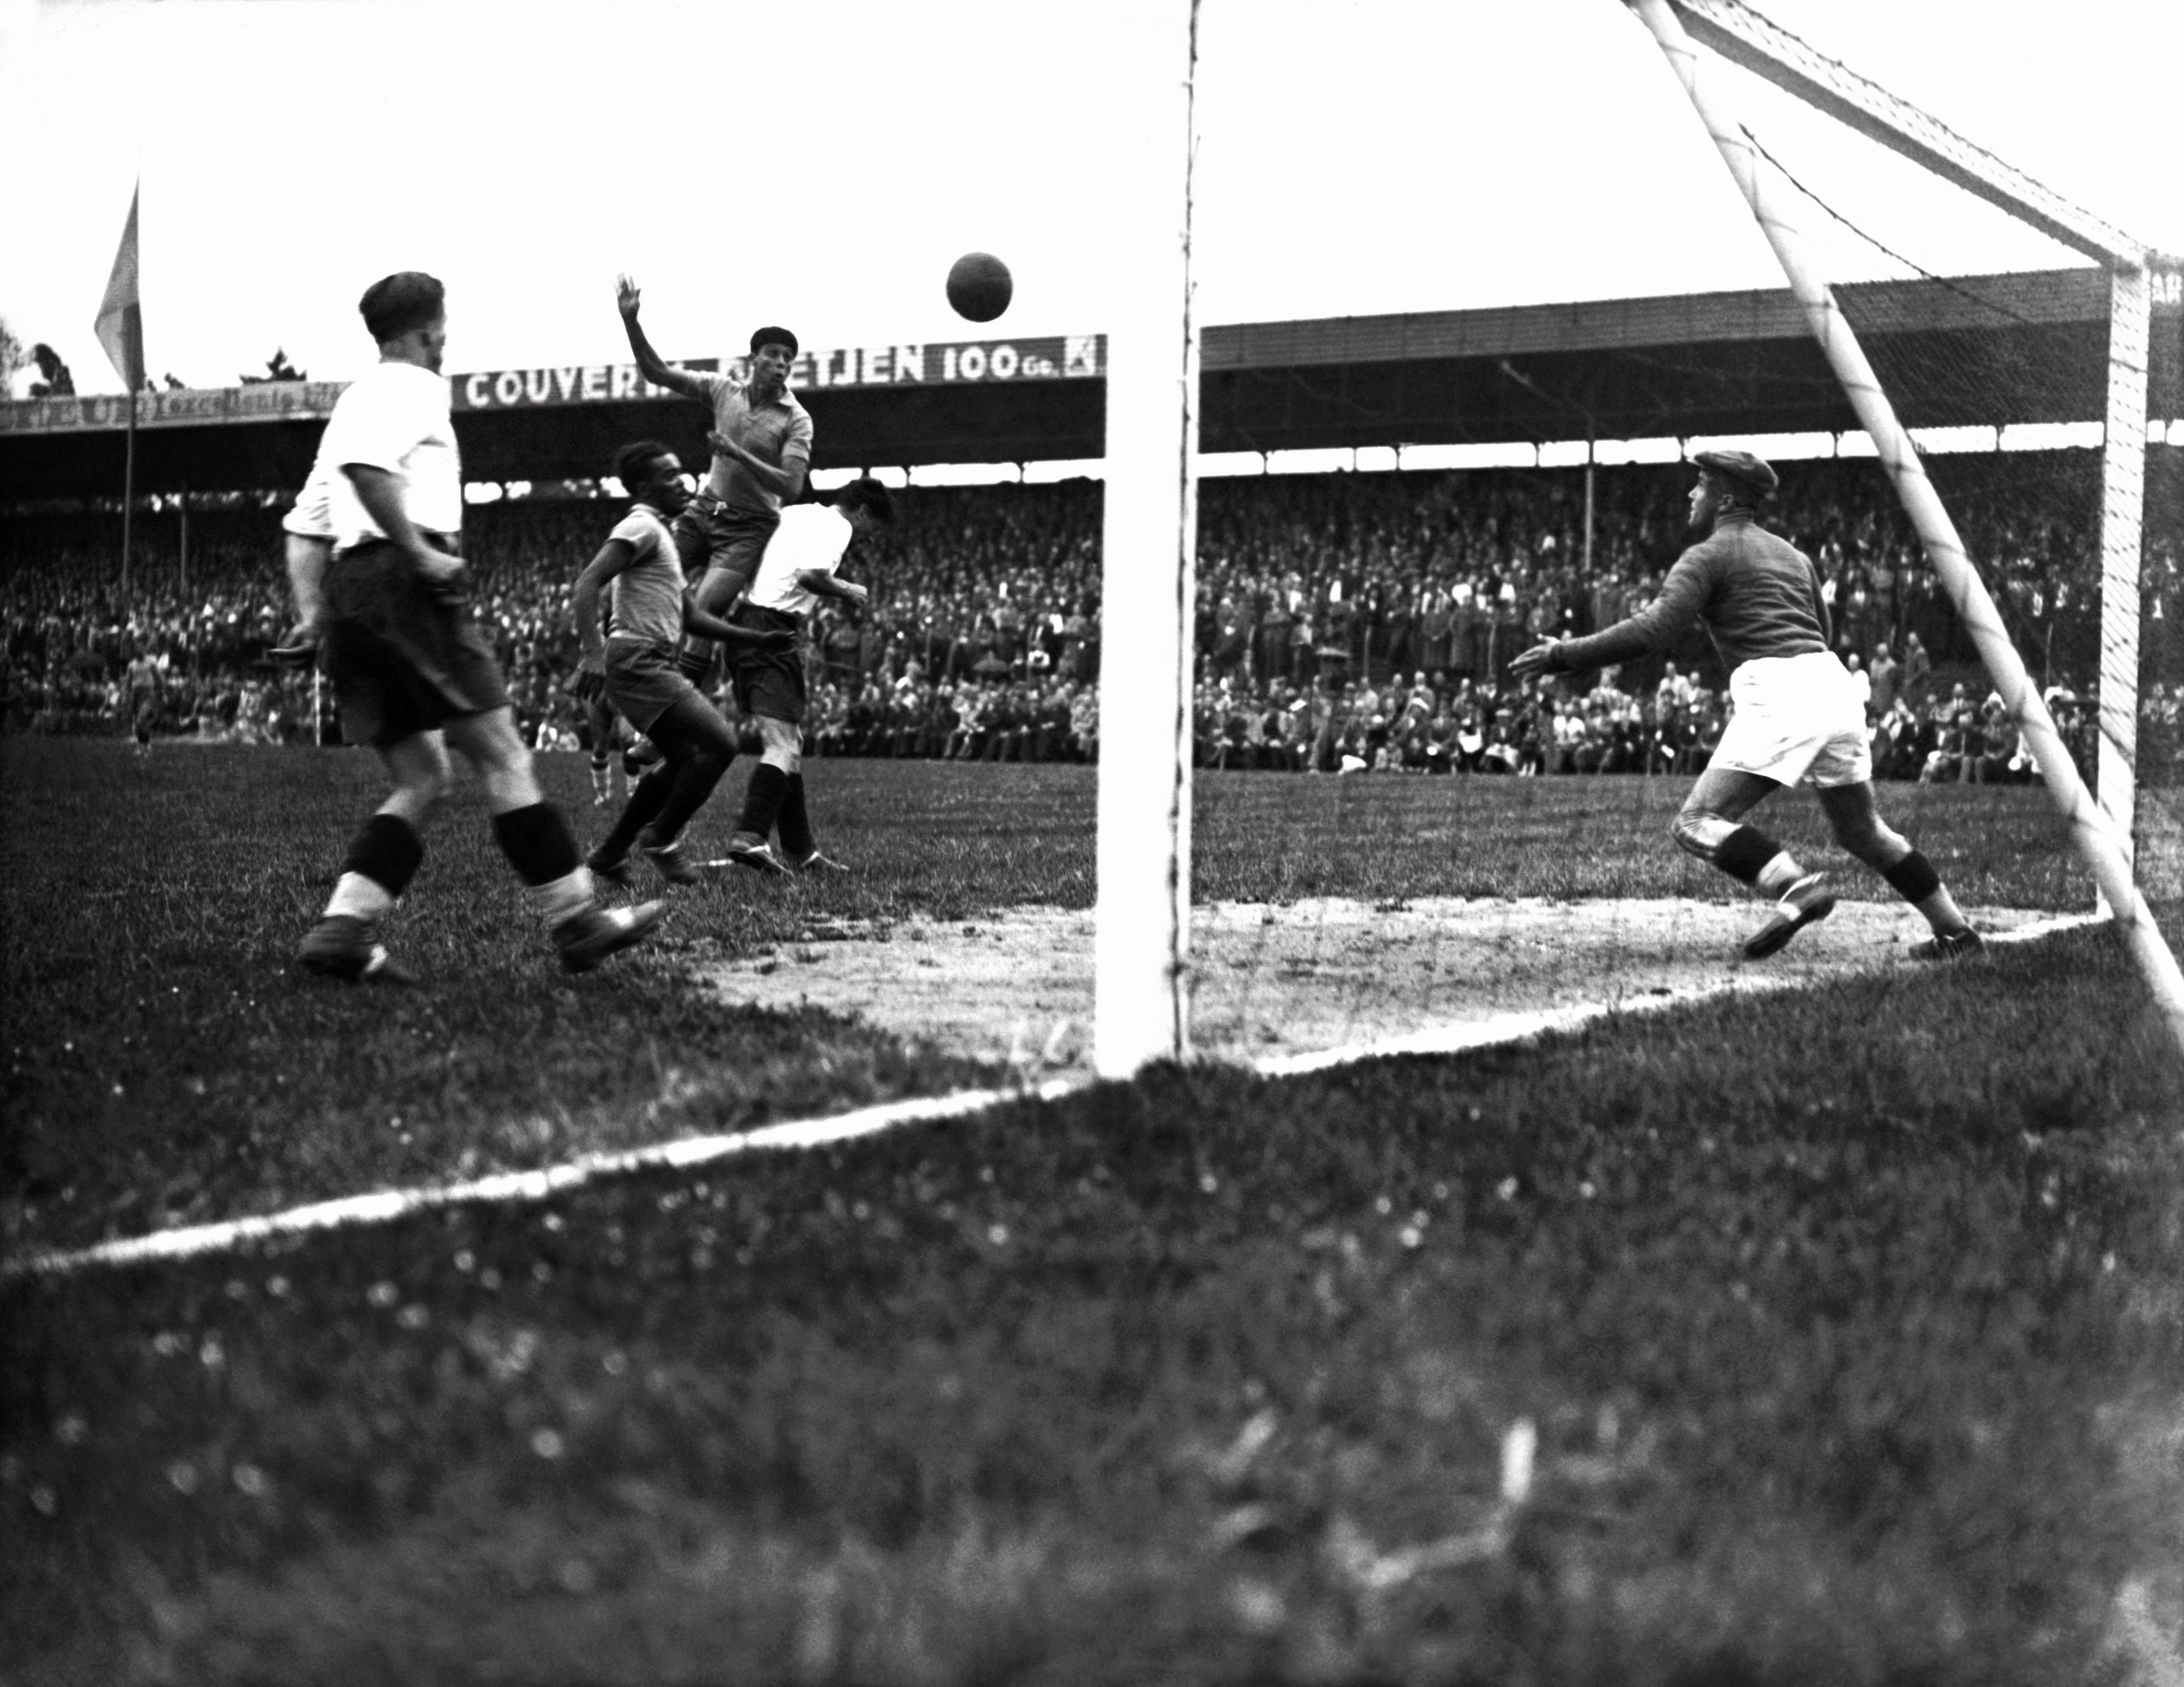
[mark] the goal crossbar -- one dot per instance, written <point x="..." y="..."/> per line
<point x="1741" y="36"/>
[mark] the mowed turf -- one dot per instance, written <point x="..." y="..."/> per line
<point x="166" y="1065"/>
<point x="1848" y="1324"/>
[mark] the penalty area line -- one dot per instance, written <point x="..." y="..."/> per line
<point x="384" y="1207"/>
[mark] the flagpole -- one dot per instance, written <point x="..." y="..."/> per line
<point x="129" y="494"/>
<point x="120" y="329"/>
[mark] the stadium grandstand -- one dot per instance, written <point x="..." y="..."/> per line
<point x="1398" y="504"/>
<point x="1298" y="1200"/>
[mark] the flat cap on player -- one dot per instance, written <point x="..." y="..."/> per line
<point x="1743" y="468"/>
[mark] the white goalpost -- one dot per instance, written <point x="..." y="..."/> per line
<point x="2100" y="831"/>
<point x="1142" y="955"/>
<point x="1148" y="590"/>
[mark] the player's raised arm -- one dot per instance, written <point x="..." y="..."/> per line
<point x="1660" y="624"/>
<point x="650" y="364"/>
<point x="1530" y="664"/>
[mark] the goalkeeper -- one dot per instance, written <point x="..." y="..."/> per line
<point x="1797" y="719"/>
<point x="636" y="667"/>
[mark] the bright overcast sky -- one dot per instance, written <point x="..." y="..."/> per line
<point x="821" y="163"/>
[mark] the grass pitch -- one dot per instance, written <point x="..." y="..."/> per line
<point x="1846" y="1323"/>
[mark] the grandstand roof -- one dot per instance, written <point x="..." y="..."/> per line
<point x="1986" y="350"/>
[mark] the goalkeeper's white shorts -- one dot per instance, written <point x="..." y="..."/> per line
<point x="1798" y="721"/>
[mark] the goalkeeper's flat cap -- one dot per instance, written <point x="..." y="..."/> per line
<point x="1752" y="473"/>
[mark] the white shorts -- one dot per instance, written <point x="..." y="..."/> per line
<point x="1798" y="721"/>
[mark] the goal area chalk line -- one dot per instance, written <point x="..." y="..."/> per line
<point x="384" y="1207"/>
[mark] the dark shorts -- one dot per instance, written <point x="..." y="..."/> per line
<point x="403" y="656"/>
<point x="770" y="683"/>
<point x="642" y="681"/>
<point x="722" y="538"/>
<point x="601" y="729"/>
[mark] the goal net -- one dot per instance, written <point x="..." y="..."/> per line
<point x="1333" y="820"/>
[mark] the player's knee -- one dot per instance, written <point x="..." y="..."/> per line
<point x="1858" y="834"/>
<point x="422" y="788"/>
<point x="1694" y="831"/>
<point x="1873" y="842"/>
<point x="1857" y="826"/>
<point x="495" y="744"/>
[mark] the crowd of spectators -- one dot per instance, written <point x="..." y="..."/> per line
<point x="1345" y="622"/>
<point x="71" y="630"/>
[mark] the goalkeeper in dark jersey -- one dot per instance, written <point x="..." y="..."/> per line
<point x="1797" y="719"/>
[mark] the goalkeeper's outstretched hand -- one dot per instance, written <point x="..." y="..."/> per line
<point x="1530" y="664"/>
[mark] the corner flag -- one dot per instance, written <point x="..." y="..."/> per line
<point x="120" y="325"/>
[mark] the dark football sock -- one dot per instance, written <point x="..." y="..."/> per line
<point x="762" y="799"/>
<point x="1744" y="852"/>
<point x="797" y="842"/>
<point x="537" y="843"/>
<point x="386" y="851"/>
<point x="694" y="783"/>
<point x="1912" y="878"/>
<point x="646" y="799"/>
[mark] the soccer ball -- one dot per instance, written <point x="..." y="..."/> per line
<point x="980" y="286"/>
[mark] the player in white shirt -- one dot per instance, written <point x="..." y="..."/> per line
<point x="307" y="537"/>
<point x="798" y="568"/>
<point x="635" y="666"/>
<point x="414" y="675"/>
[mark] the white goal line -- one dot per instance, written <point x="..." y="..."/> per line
<point x="384" y="1206"/>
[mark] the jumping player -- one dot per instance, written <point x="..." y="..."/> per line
<point x="1797" y="720"/>
<point x="635" y="667"/>
<point x="414" y="675"/>
<point x="761" y="441"/>
<point x="798" y="568"/>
